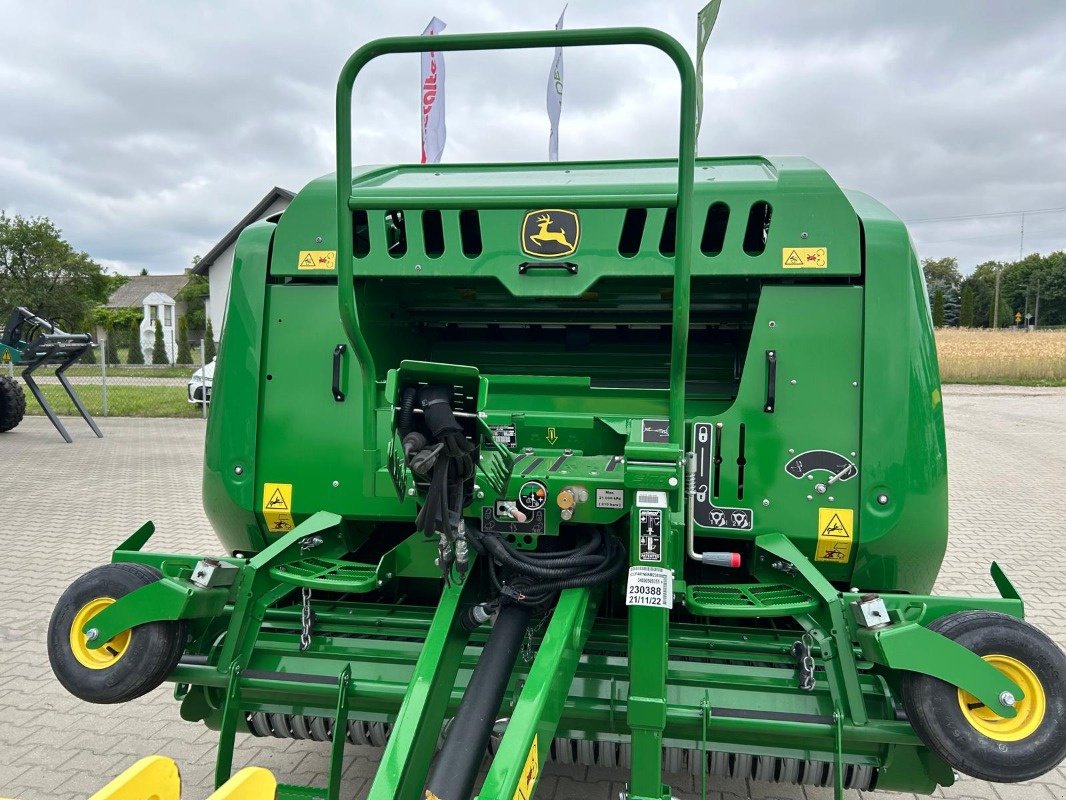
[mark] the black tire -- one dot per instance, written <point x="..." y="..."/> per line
<point x="935" y="710"/>
<point x="144" y="657"/>
<point x="12" y="403"/>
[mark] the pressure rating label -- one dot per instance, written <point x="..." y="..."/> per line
<point x="650" y="586"/>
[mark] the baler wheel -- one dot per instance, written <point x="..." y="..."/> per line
<point x="132" y="663"/>
<point x="964" y="732"/>
<point x="12" y="403"/>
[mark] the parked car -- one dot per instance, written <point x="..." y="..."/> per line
<point x="200" y="384"/>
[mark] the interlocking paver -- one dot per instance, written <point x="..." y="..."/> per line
<point x="65" y="507"/>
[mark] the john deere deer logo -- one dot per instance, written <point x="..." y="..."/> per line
<point x="550" y="233"/>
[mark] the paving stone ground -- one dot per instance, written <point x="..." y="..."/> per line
<point x="65" y="507"/>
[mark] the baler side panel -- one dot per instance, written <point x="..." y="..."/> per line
<point x="229" y="497"/>
<point x="904" y="450"/>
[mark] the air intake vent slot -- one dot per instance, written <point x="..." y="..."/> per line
<point x="396" y="233"/>
<point x="632" y="232"/>
<point x="666" y="241"/>
<point x="758" y="229"/>
<point x="470" y="232"/>
<point x="714" y="229"/>
<point x="360" y="233"/>
<point x="433" y="233"/>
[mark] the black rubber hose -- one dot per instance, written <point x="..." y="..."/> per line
<point x="457" y="764"/>
<point x="405" y="418"/>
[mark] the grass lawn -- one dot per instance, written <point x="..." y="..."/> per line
<point x="122" y="401"/>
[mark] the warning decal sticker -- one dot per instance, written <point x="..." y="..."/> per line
<point x="528" y="779"/>
<point x="317" y="259"/>
<point x="836" y="532"/>
<point x="804" y="257"/>
<point x="277" y="507"/>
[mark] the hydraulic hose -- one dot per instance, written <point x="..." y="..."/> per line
<point x="456" y="767"/>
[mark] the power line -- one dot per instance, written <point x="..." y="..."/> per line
<point x="987" y="216"/>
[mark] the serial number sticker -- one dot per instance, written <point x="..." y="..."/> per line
<point x="650" y="586"/>
<point x="610" y="498"/>
<point x="646" y="499"/>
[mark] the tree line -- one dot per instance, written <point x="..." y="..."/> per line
<point x="1033" y="286"/>
<point x="41" y="271"/>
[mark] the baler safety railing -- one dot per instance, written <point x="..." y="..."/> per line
<point x="346" y="200"/>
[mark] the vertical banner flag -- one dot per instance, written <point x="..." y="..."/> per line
<point x="431" y="93"/>
<point x="704" y="25"/>
<point x="555" y="95"/>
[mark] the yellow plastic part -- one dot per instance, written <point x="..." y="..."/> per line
<point x="1031" y="708"/>
<point x="151" y="778"/>
<point x="251" y="783"/>
<point x="96" y="657"/>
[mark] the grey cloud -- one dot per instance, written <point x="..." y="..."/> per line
<point x="146" y="130"/>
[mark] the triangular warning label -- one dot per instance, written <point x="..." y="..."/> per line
<point x="277" y="502"/>
<point x="793" y="260"/>
<point x="308" y="262"/>
<point x="836" y="529"/>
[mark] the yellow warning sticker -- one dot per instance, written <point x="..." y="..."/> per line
<point x="804" y="257"/>
<point x="317" y="259"/>
<point x="528" y="779"/>
<point x="6" y="357"/>
<point x="836" y="532"/>
<point x="277" y="507"/>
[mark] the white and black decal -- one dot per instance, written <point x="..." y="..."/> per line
<point x="651" y="535"/>
<point x="655" y="431"/>
<point x="505" y="435"/>
<point x="705" y="513"/>
<point x="825" y="460"/>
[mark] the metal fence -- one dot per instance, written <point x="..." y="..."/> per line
<point x="125" y="390"/>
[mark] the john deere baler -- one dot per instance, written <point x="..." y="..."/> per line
<point x="635" y="464"/>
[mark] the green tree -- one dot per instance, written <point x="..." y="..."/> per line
<point x="194" y="294"/>
<point x="111" y="347"/>
<point x="42" y="271"/>
<point x="938" y="308"/>
<point x="159" y="347"/>
<point x="184" y="355"/>
<point x="209" y="344"/>
<point x="136" y="355"/>
<point x="966" y="309"/>
<point x="942" y="272"/>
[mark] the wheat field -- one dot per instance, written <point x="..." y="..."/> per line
<point x="975" y="355"/>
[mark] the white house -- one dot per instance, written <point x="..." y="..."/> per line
<point x="158" y="306"/>
<point x="217" y="265"/>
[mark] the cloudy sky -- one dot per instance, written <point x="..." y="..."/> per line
<point x="145" y="130"/>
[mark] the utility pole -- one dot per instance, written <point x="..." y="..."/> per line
<point x="1021" y="238"/>
<point x="1036" y="313"/>
<point x="995" y="307"/>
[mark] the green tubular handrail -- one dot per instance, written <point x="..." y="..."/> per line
<point x="509" y="41"/>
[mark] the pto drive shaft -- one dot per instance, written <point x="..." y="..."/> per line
<point x="456" y="767"/>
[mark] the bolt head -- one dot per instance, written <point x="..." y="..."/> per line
<point x="411" y="492"/>
<point x="766" y="502"/>
<point x="820" y="488"/>
<point x="882" y="499"/>
<point x="336" y="484"/>
<point x="238" y="470"/>
<point x="92" y="634"/>
<point x="1007" y="699"/>
<point x="672" y="481"/>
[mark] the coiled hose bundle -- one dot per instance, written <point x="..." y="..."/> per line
<point x="534" y="578"/>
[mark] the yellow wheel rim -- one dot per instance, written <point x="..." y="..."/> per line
<point x="99" y="657"/>
<point x="1031" y="708"/>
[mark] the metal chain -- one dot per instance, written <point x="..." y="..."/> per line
<point x="802" y="650"/>
<point x="527" y="643"/>
<point x="307" y="619"/>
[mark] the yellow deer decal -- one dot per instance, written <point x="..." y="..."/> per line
<point x="544" y="235"/>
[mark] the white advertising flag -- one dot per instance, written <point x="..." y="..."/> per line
<point x="431" y="89"/>
<point x="704" y="25"/>
<point x="555" y="95"/>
